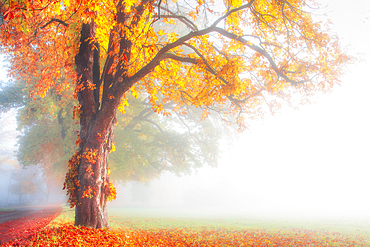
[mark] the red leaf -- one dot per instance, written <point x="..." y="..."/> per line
<point x="5" y="14"/>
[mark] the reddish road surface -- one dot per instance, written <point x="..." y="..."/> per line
<point x="16" y="226"/>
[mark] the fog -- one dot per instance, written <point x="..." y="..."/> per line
<point x="22" y="186"/>
<point x="311" y="162"/>
<point x="300" y="164"/>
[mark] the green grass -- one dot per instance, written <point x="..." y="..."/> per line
<point x="6" y="209"/>
<point x="167" y="218"/>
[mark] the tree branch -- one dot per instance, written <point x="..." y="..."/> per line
<point x="248" y="5"/>
<point x="195" y="61"/>
<point x="181" y="59"/>
<point x="183" y="19"/>
<point x="163" y="53"/>
<point x="155" y="124"/>
<point x="259" y="50"/>
<point x="55" y="20"/>
<point x="242" y="101"/>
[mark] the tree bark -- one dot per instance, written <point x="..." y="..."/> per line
<point x="96" y="136"/>
<point x="98" y="112"/>
<point x="93" y="188"/>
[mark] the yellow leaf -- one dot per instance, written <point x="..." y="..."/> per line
<point x="113" y="148"/>
<point x="135" y="93"/>
<point x="122" y="105"/>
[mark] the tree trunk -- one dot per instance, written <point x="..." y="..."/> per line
<point x="93" y="189"/>
<point x="96" y="135"/>
<point x="90" y="189"/>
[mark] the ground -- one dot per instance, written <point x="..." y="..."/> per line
<point x="179" y="227"/>
<point x="20" y="223"/>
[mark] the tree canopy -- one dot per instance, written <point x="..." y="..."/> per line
<point x="264" y="47"/>
<point x="143" y="139"/>
<point x="237" y="58"/>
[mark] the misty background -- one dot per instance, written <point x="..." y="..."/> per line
<point x="311" y="161"/>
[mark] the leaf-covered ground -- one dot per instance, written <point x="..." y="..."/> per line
<point x="20" y="225"/>
<point x="61" y="232"/>
<point x="68" y="235"/>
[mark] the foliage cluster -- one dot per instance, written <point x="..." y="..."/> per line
<point x="263" y="49"/>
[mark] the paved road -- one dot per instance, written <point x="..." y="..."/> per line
<point x="16" y="214"/>
<point x="22" y="222"/>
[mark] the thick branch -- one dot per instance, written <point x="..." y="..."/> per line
<point x="96" y="75"/>
<point x="106" y="76"/>
<point x="180" y="59"/>
<point x="84" y="66"/>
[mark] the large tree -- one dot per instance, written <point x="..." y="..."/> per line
<point x="234" y="58"/>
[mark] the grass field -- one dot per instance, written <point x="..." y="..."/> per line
<point x="139" y="218"/>
<point x="182" y="227"/>
<point x="6" y="209"/>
